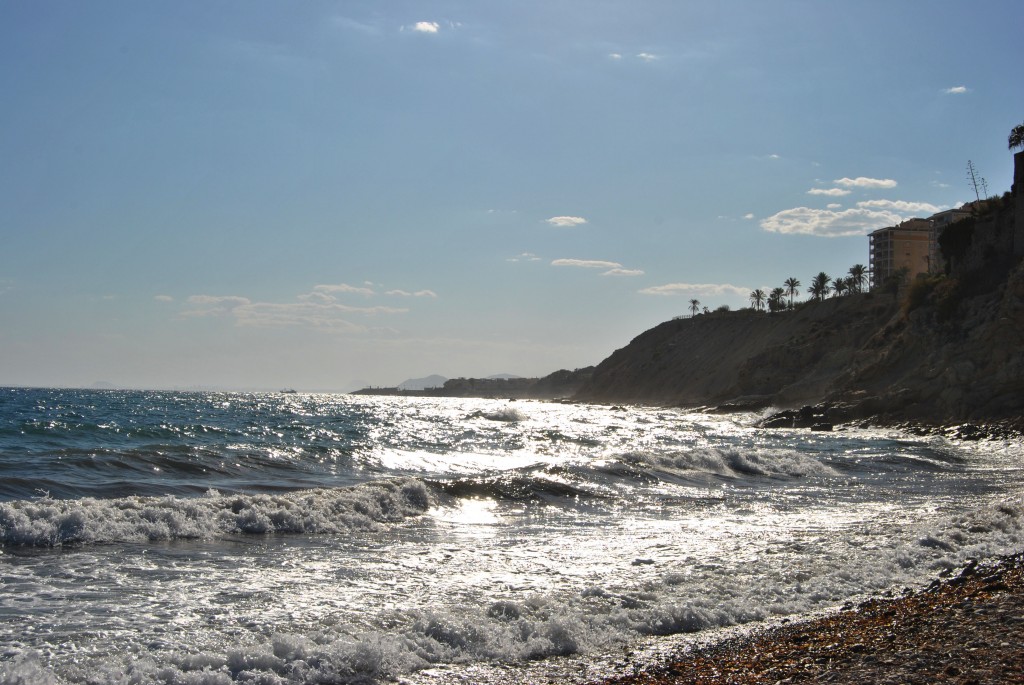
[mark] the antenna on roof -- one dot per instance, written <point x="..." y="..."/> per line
<point x="976" y="180"/>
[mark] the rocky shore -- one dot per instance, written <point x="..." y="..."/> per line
<point x="967" y="628"/>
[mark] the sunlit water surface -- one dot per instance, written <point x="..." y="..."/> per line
<point x="216" y="538"/>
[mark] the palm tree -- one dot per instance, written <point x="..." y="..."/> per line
<point x="1016" y="138"/>
<point x="858" y="275"/>
<point x="775" y="302"/>
<point x="757" y="299"/>
<point x="694" y="307"/>
<point x="819" y="285"/>
<point x="792" y="288"/>
<point x="840" y="287"/>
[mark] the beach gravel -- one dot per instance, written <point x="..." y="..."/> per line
<point x="967" y="628"/>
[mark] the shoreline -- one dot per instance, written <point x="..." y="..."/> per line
<point x="964" y="628"/>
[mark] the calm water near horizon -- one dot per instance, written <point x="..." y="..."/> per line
<point x="174" y="537"/>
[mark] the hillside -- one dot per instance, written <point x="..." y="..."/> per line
<point x="744" y="358"/>
<point x="941" y="349"/>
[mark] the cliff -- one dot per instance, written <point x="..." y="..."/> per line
<point x="947" y="348"/>
<point x="744" y="359"/>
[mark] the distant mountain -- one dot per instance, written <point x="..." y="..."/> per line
<point x="433" y="381"/>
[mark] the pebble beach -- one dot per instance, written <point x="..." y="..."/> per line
<point x="966" y="628"/>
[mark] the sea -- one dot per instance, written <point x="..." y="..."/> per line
<point x="205" y="538"/>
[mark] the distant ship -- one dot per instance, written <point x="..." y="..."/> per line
<point x="290" y="391"/>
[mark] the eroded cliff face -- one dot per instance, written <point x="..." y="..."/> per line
<point x="967" y="365"/>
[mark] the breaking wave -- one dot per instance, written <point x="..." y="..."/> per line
<point x="47" y="522"/>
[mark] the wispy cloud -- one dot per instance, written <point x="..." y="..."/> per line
<point x="956" y="90"/>
<point x="426" y="27"/>
<point x="586" y="263"/>
<point x="214" y="305"/>
<point x="829" y="192"/>
<point x="524" y="257"/>
<point x="647" y="56"/>
<point x="623" y="272"/>
<point x="320" y="308"/>
<point x="344" y="288"/>
<point x="748" y="216"/>
<point x="566" y="221"/>
<point x="614" y="55"/>
<point x="163" y="298"/>
<point x="864" y="182"/>
<point x="900" y="206"/>
<point x="352" y="24"/>
<point x="696" y="289"/>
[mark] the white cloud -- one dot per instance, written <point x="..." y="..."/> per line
<point x="748" y="216"/>
<point x="406" y="293"/>
<point x="833" y="205"/>
<point x="829" y="223"/>
<point x="900" y="206"/>
<point x="566" y="221"/>
<point x="164" y="298"/>
<point x="524" y="257"/>
<point x="623" y="272"/>
<point x="774" y="156"/>
<point x="344" y="288"/>
<point x="956" y="90"/>
<point x="647" y="57"/>
<point x="864" y="182"/>
<point x="830" y="192"/>
<point x="694" y="289"/>
<point x="614" y="55"/>
<point x="426" y="27"/>
<point x="586" y="263"/>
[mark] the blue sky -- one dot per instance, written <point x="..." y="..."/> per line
<point x="324" y="194"/>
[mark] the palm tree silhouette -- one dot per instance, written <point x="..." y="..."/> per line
<point x="775" y="302"/>
<point x="819" y="285"/>
<point x="858" y="274"/>
<point x="840" y="287"/>
<point x="757" y="299"/>
<point x="1016" y="138"/>
<point x="792" y="287"/>
<point x="694" y="307"/>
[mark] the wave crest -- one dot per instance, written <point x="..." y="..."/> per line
<point x="48" y="522"/>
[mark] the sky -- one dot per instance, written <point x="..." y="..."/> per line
<point x="325" y="195"/>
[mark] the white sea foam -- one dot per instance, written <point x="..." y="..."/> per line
<point x="52" y="522"/>
<point x="739" y="462"/>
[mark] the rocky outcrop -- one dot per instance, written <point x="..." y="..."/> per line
<point x="967" y="366"/>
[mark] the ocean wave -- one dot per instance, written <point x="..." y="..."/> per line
<point x="516" y="486"/>
<point x="47" y="522"/>
<point x="730" y="463"/>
